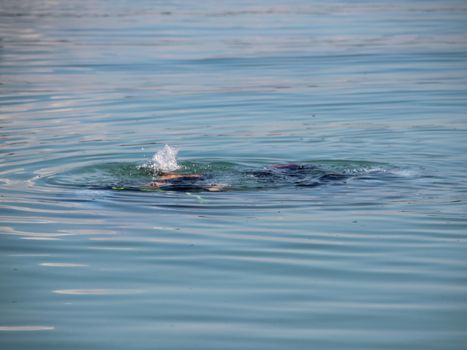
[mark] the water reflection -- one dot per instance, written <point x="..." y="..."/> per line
<point x="57" y="264"/>
<point x="25" y="328"/>
<point x="98" y="291"/>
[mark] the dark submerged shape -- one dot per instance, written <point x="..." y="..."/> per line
<point x="277" y="175"/>
<point x="216" y="176"/>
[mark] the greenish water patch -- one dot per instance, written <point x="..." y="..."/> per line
<point x="130" y="176"/>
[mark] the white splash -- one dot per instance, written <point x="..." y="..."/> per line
<point x="165" y="160"/>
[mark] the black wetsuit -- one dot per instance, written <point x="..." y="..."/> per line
<point x="303" y="175"/>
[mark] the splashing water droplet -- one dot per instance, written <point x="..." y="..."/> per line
<point x="165" y="160"/>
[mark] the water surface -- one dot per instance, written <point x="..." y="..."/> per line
<point x="90" y="90"/>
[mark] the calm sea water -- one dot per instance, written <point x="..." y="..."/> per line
<point x="90" y="90"/>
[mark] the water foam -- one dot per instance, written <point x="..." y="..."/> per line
<point x="165" y="160"/>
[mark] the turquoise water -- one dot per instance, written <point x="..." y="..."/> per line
<point x="91" y="259"/>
